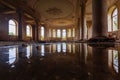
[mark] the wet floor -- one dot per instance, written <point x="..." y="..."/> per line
<point x="60" y="61"/>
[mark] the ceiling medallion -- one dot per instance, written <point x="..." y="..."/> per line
<point x="54" y="11"/>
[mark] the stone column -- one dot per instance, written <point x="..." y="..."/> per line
<point x="37" y="27"/>
<point x="67" y="34"/>
<point x="47" y="33"/>
<point x="82" y="16"/>
<point x="36" y="31"/>
<point x="20" y="24"/>
<point x="99" y="8"/>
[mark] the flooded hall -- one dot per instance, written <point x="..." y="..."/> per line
<point x="59" y="40"/>
<point x="59" y="61"/>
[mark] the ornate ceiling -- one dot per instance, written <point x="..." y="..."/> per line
<point x="59" y="12"/>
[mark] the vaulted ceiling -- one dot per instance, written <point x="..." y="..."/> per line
<point x="57" y="12"/>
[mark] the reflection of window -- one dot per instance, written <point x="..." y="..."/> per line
<point x="58" y="47"/>
<point x="29" y="51"/>
<point x="42" y="50"/>
<point x="115" y="19"/>
<point x="73" y="47"/>
<point x="69" y="47"/>
<point x="64" y="34"/>
<point x="69" y="32"/>
<point x="115" y="60"/>
<point x="28" y="31"/>
<point x="12" y="27"/>
<point x="12" y="55"/>
<point x="64" y="47"/>
<point x="54" y="48"/>
<point x="42" y="33"/>
<point x="58" y="33"/>
<point x="54" y="33"/>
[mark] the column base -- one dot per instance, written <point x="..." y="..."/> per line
<point x="101" y="39"/>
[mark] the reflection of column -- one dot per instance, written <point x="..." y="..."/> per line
<point x="119" y="66"/>
<point x="99" y="9"/>
<point x="83" y="68"/>
<point x="100" y="64"/>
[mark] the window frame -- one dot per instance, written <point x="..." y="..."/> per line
<point x="15" y="33"/>
<point x="30" y="30"/>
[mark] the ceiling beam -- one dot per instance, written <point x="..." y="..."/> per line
<point x="8" y="12"/>
<point x="6" y="3"/>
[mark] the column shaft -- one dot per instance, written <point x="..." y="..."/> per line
<point x="20" y="24"/>
<point x="99" y="8"/>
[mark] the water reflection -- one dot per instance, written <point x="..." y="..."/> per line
<point x="58" y="48"/>
<point x="113" y="59"/>
<point x="64" y="47"/>
<point x="69" y="48"/>
<point x="80" y="62"/>
<point x="12" y="55"/>
<point x="42" y="50"/>
<point x="29" y="51"/>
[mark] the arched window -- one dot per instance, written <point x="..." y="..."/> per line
<point x="73" y="34"/>
<point x="58" y="33"/>
<point x="54" y="33"/>
<point x="69" y="32"/>
<point x="49" y="32"/>
<point x="29" y="31"/>
<point x="64" y="34"/>
<point x="115" y="19"/>
<point x="42" y="33"/>
<point x="13" y="27"/>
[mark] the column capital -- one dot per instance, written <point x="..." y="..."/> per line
<point x="83" y="2"/>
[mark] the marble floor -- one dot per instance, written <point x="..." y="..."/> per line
<point x="59" y="61"/>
